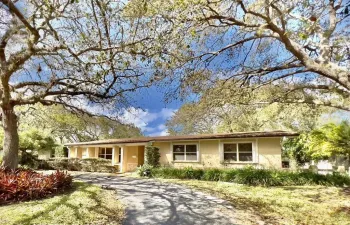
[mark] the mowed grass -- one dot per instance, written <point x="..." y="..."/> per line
<point x="85" y="204"/>
<point x="280" y="205"/>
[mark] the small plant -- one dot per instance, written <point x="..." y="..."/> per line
<point x="152" y="156"/>
<point x="25" y="184"/>
<point x="144" y="170"/>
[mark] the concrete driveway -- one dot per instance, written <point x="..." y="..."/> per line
<point x="149" y="201"/>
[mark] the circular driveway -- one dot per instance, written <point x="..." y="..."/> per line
<point x="150" y="201"/>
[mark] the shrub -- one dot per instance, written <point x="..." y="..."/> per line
<point x="152" y="156"/>
<point x="252" y="176"/>
<point x="144" y="170"/>
<point x="72" y="164"/>
<point x="212" y="174"/>
<point x="25" y="184"/>
<point x="75" y="164"/>
<point x="95" y="165"/>
<point x="190" y="173"/>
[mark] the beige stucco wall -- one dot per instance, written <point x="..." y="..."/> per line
<point x="91" y="152"/>
<point x="267" y="153"/>
<point x="130" y="159"/>
<point x="72" y="152"/>
<point x="270" y="152"/>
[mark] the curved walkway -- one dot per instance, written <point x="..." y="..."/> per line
<point x="149" y="201"/>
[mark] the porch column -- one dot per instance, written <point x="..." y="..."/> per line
<point x="69" y="152"/>
<point x="121" y="158"/>
<point x="96" y="152"/>
<point x="76" y="152"/>
<point x="113" y="155"/>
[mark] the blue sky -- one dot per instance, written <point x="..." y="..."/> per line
<point x="150" y="112"/>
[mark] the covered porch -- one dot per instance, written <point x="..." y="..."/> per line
<point x="125" y="157"/>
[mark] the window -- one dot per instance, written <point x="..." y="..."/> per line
<point x="185" y="152"/>
<point x="105" y="153"/>
<point x="238" y="152"/>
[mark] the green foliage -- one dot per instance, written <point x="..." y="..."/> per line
<point x="229" y="113"/>
<point x="97" y="165"/>
<point x="75" y="164"/>
<point x="253" y="177"/>
<point x="83" y="204"/>
<point x="144" y="170"/>
<point x="36" y="140"/>
<point x="21" y="185"/>
<point x="68" y="127"/>
<point x="331" y="139"/>
<point x="296" y="148"/>
<point x="61" y="151"/>
<point x="152" y="156"/>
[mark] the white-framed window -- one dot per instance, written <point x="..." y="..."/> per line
<point x="185" y="152"/>
<point x="238" y="152"/>
<point x="105" y="153"/>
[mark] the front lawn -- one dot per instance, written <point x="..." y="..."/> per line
<point x="85" y="204"/>
<point x="281" y="205"/>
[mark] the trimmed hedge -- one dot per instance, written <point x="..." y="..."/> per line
<point x="75" y="164"/>
<point x="252" y="176"/>
<point x="25" y="184"/>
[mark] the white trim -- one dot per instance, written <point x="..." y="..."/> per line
<point x="121" y="158"/>
<point x="254" y="151"/>
<point x="113" y="155"/>
<point x="189" y="143"/>
<point x="69" y="153"/>
<point x="257" y="150"/>
<point x="221" y="152"/>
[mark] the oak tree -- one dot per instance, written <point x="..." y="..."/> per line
<point x="77" y="54"/>
<point x="300" y="46"/>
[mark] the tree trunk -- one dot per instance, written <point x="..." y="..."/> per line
<point x="11" y="139"/>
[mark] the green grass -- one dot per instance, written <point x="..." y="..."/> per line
<point x="85" y="204"/>
<point x="280" y="205"/>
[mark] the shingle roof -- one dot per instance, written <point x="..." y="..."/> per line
<point x="253" y="134"/>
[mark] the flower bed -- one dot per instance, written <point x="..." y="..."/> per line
<point x="25" y="184"/>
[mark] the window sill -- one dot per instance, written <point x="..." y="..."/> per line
<point x="183" y="161"/>
<point x="240" y="163"/>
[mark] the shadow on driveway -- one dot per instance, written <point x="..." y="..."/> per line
<point x="149" y="201"/>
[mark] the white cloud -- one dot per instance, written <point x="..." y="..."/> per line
<point x="161" y="127"/>
<point x="167" y="113"/>
<point x="141" y="119"/>
<point x="159" y="133"/>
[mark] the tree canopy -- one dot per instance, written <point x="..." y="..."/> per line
<point x="218" y="111"/>
<point x="64" y="126"/>
<point x="322" y="143"/>
<point x="301" y="47"/>
<point x="77" y="54"/>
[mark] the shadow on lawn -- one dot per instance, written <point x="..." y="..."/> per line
<point x="98" y="208"/>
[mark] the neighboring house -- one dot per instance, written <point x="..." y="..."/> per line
<point x="262" y="149"/>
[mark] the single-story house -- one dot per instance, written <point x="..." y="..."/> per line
<point x="261" y="149"/>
